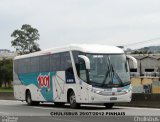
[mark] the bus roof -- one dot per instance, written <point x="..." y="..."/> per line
<point x="87" y="48"/>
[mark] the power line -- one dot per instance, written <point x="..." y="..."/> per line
<point x="142" y="42"/>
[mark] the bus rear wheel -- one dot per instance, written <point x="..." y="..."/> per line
<point x="72" y="101"/>
<point x="109" y="105"/>
<point x="29" y="99"/>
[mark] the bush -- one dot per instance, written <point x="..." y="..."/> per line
<point x="6" y="72"/>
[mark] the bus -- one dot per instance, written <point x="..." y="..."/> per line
<point x="75" y="74"/>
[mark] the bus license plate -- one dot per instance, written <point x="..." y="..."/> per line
<point x="113" y="98"/>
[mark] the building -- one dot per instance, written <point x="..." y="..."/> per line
<point x="146" y="78"/>
<point x="147" y="65"/>
<point x="4" y="53"/>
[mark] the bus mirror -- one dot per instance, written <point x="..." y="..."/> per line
<point x="86" y="60"/>
<point x="134" y="61"/>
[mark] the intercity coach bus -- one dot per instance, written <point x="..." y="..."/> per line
<point x="74" y="74"/>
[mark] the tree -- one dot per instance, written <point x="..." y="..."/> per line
<point x="142" y="52"/>
<point x="25" y="39"/>
<point x="6" y="73"/>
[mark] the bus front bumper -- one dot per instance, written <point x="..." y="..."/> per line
<point x="97" y="98"/>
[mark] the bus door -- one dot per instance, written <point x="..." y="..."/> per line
<point x="84" y="86"/>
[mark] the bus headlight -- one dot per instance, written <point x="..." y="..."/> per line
<point x="128" y="89"/>
<point x="96" y="91"/>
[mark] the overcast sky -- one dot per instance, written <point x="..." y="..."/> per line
<point x="61" y="22"/>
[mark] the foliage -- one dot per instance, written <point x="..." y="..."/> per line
<point x="25" y="39"/>
<point x="9" y="89"/>
<point x="141" y="52"/>
<point x="6" y="73"/>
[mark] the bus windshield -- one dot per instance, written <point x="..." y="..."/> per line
<point x="108" y="70"/>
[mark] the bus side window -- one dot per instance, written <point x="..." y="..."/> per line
<point x="70" y="70"/>
<point x="77" y="68"/>
<point x="23" y="65"/>
<point x="66" y="62"/>
<point x="44" y="63"/>
<point x="82" y="70"/>
<point x="34" y="67"/>
<point x="55" y="62"/>
<point x="76" y="60"/>
<point x="15" y="66"/>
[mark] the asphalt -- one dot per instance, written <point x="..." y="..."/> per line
<point x="18" y="111"/>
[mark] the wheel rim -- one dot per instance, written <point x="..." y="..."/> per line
<point x="72" y="99"/>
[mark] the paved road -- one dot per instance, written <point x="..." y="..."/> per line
<point x="49" y="112"/>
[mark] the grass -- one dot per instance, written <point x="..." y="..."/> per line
<point x="10" y="89"/>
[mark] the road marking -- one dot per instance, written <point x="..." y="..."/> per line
<point x="15" y="102"/>
<point x="61" y="119"/>
<point x="49" y="108"/>
<point x="9" y="101"/>
<point x="139" y="108"/>
<point x="3" y="113"/>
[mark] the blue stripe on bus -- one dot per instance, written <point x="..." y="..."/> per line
<point x="40" y="80"/>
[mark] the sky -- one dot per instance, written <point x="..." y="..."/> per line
<point x="61" y="22"/>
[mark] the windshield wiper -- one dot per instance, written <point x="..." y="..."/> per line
<point x="106" y="76"/>
<point x="114" y="73"/>
<point x="107" y="73"/>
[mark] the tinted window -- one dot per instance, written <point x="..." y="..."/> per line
<point x="75" y="56"/>
<point x="66" y="61"/>
<point x="76" y="60"/>
<point x="34" y="67"/>
<point x="44" y="63"/>
<point x="82" y="70"/>
<point x="16" y="66"/>
<point x="19" y="65"/>
<point x="27" y="62"/>
<point x="55" y="62"/>
<point x="23" y="65"/>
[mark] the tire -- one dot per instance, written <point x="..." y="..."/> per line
<point x="109" y="105"/>
<point x="72" y="101"/>
<point x="59" y="104"/>
<point x="29" y="99"/>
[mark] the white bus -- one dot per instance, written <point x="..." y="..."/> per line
<point x="75" y="74"/>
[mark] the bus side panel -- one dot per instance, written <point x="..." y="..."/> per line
<point x="19" y="89"/>
<point x="19" y="92"/>
<point x="39" y="84"/>
<point x="59" y="87"/>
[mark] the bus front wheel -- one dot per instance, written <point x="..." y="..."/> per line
<point x="72" y="101"/>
